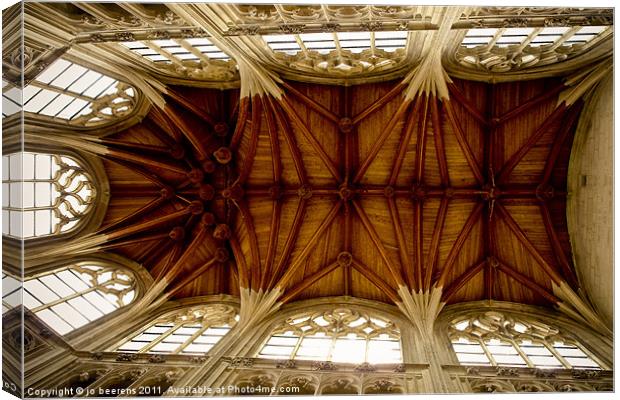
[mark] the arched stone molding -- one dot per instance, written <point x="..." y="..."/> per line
<point x="253" y="383"/>
<point x="596" y="346"/>
<point x="302" y="384"/>
<point x="81" y="377"/>
<point x="155" y="382"/>
<point x="341" y="385"/>
<point x="388" y="384"/>
<point x="118" y="380"/>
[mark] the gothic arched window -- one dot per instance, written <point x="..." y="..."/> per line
<point x="43" y="194"/>
<point x="339" y="335"/>
<point x="73" y="94"/>
<point x="193" y="331"/>
<point x="493" y="338"/>
<point x="71" y="297"/>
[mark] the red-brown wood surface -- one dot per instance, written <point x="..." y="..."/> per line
<point x="349" y="191"/>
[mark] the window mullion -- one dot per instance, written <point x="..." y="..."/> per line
<point x="58" y="90"/>
<point x="524" y="356"/>
<point x="487" y="352"/>
<point x="160" y="338"/>
<point x="191" y="339"/>
<point x="297" y="346"/>
<point x="61" y="300"/>
<point x="557" y="355"/>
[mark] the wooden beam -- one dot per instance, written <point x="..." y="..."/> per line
<point x="191" y="106"/>
<point x="129" y="242"/>
<point x="460" y="97"/>
<point x="148" y="225"/>
<point x="121" y="144"/>
<point x="162" y="127"/>
<point x="348" y="246"/>
<point x="195" y="138"/>
<point x="376" y="280"/>
<point x="272" y="246"/>
<point x="244" y="109"/>
<point x="433" y="253"/>
<point x="272" y="130"/>
<point x="194" y="274"/>
<point x="248" y="160"/>
<point x="148" y="207"/>
<point x="418" y="242"/>
<point x="242" y="266"/>
<point x="140" y="171"/>
<point x="374" y="150"/>
<point x="516" y="229"/>
<point x="402" y="243"/>
<point x="512" y="162"/>
<point x="140" y="159"/>
<point x="460" y="137"/>
<point x="151" y="258"/>
<point x="379" y="103"/>
<point x="558" y="141"/>
<point x="314" y="143"/>
<point x="289" y="243"/>
<point x="458" y="243"/>
<point x="460" y="282"/>
<point x="305" y="252"/>
<point x="376" y="240"/>
<point x="319" y="108"/>
<point x="440" y="148"/>
<point x="255" y="266"/>
<point x="545" y="95"/>
<point x="290" y="142"/>
<point x="402" y="148"/>
<point x="308" y="281"/>
<point x="527" y="282"/>
<point x="558" y="251"/>
<point x="187" y="254"/>
<point x="421" y="143"/>
<point x="173" y="256"/>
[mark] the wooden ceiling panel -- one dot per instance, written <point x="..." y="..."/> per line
<point x="346" y="191"/>
<point x="461" y="174"/>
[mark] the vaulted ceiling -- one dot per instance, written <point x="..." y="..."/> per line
<point x="356" y="191"/>
<point x="296" y="152"/>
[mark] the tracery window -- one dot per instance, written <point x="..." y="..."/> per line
<point x="11" y="294"/>
<point x="78" y="95"/>
<point x="193" y="331"/>
<point x="43" y="194"/>
<point x="505" y="49"/>
<point x="494" y="339"/>
<point x="177" y="50"/>
<point x="11" y="99"/>
<point x="347" y="51"/>
<point x="73" y="296"/>
<point x="339" y="335"/>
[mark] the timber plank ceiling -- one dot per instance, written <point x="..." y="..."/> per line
<point x="335" y="190"/>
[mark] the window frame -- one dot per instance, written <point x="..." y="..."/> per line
<point x="178" y="314"/>
<point x="560" y="327"/>
<point x="93" y="165"/>
<point x="279" y="324"/>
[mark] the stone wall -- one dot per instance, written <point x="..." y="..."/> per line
<point x="590" y="199"/>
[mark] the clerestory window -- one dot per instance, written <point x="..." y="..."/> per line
<point x="339" y="335"/>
